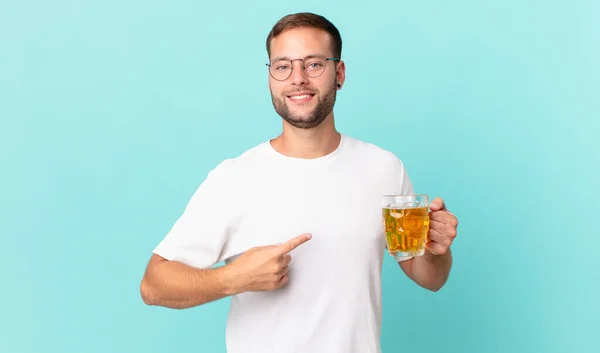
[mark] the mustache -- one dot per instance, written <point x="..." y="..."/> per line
<point x="311" y="91"/>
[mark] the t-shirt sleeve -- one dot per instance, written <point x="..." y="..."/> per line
<point x="199" y="234"/>
<point x="401" y="181"/>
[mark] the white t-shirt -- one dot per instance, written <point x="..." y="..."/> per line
<point x="332" y="303"/>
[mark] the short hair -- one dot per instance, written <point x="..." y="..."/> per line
<point x="307" y="19"/>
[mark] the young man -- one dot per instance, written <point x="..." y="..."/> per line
<point x="297" y="220"/>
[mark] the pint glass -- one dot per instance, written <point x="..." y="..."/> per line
<point x="406" y="221"/>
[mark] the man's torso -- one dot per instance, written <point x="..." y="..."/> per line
<point x="332" y="302"/>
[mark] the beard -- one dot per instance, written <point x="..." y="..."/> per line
<point x="311" y="119"/>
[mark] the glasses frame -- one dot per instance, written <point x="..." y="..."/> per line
<point x="303" y="68"/>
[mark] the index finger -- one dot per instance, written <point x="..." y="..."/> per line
<point x="294" y="243"/>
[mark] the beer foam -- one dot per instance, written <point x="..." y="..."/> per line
<point x="404" y="205"/>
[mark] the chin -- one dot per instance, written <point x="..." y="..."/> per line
<point x="303" y="116"/>
<point x="304" y="122"/>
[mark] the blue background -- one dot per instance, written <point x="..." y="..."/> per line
<point x="113" y="112"/>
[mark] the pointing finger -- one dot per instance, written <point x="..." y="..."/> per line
<point x="294" y="243"/>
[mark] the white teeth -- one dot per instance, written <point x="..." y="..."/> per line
<point x="300" y="97"/>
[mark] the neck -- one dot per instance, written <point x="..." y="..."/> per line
<point x="308" y="143"/>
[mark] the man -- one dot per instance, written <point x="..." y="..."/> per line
<point x="296" y="219"/>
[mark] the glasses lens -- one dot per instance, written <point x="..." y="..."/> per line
<point x="281" y="69"/>
<point x="314" y="67"/>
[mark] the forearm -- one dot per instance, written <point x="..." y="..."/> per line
<point x="431" y="271"/>
<point x="175" y="285"/>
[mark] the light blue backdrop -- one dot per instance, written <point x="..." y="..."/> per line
<point x="113" y="112"/>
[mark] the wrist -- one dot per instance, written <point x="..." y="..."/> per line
<point x="430" y="256"/>
<point x="231" y="281"/>
<point x="434" y="258"/>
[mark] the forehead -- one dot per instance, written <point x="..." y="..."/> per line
<point x="300" y="42"/>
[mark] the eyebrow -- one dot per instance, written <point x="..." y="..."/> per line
<point x="307" y="56"/>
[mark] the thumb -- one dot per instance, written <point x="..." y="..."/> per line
<point x="437" y="204"/>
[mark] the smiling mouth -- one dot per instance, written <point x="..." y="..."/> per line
<point x="301" y="97"/>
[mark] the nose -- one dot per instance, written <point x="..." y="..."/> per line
<point x="298" y="76"/>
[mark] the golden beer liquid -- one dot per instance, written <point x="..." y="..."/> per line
<point x="406" y="229"/>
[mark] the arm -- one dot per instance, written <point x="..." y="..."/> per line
<point x="175" y="285"/>
<point x="428" y="271"/>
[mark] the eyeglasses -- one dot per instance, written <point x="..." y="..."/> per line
<point x="313" y="66"/>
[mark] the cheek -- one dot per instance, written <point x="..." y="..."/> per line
<point x="276" y="91"/>
<point x="326" y="84"/>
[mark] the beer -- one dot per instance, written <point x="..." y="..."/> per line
<point x="406" y="229"/>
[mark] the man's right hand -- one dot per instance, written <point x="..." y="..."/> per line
<point x="264" y="268"/>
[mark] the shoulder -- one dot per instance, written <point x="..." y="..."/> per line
<point x="240" y="164"/>
<point x="228" y="177"/>
<point x="385" y="166"/>
<point x="371" y="153"/>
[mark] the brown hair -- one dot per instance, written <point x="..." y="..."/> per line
<point x="307" y="19"/>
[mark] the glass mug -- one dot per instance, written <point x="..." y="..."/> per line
<point x="406" y="222"/>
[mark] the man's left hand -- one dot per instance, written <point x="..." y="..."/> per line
<point x="442" y="227"/>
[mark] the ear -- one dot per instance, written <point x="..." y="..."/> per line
<point x="340" y="74"/>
